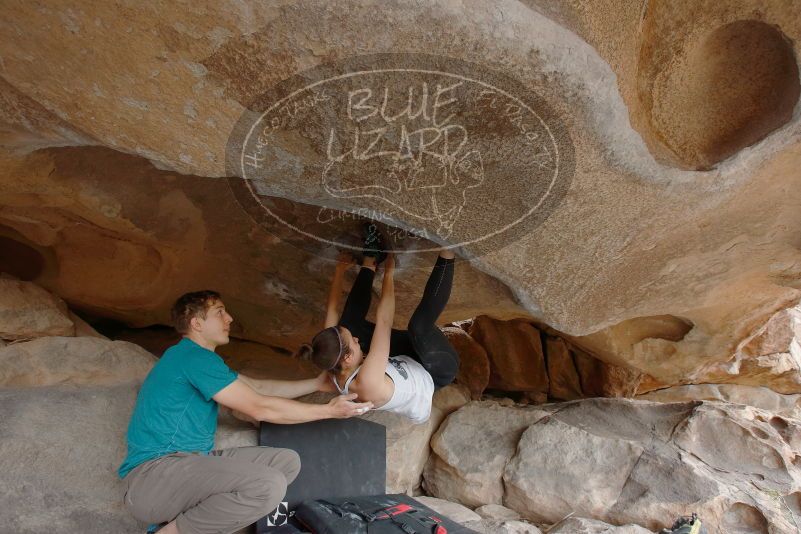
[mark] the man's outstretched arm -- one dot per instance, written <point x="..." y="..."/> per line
<point x="240" y="397"/>
<point x="289" y="389"/>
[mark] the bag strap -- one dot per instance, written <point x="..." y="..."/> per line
<point x="395" y="513"/>
<point x="347" y="508"/>
<point x="423" y="524"/>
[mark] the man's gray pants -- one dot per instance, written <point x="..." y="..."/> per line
<point x="214" y="494"/>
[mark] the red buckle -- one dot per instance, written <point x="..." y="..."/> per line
<point x="386" y="513"/>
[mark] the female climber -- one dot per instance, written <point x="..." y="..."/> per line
<point x="398" y="370"/>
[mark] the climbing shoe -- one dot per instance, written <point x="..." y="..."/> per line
<point x="373" y="245"/>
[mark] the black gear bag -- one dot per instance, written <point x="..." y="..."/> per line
<point x="379" y="514"/>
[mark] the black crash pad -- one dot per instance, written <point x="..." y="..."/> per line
<point x="338" y="457"/>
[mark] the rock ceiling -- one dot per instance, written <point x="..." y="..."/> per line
<point x="623" y="172"/>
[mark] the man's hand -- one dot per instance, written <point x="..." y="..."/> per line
<point x="343" y="406"/>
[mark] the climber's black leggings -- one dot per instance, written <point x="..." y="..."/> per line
<point x="423" y="340"/>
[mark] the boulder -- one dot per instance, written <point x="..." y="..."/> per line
<point x="59" y="455"/>
<point x="474" y="521"/>
<point x="451" y="510"/>
<point x="738" y="440"/>
<point x="82" y="328"/>
<point x="65" y="403"/>
<point x="602" y="379"/>
<point x="471" y="449"/>
<point x="515" y="354"/>
<point x="499" y="519"/>
<point x="232" y="432"/>
<point x="518" y="358"/>
<point x="510" y="526"/>
<point x="88" y="361"/>
<point x="155" y="339"/>
<point x="781" y="333"/>
<point x="408" y="447"/>
<point x="474" y="367"/>
<point x="757" y="396"/>
<point x="60" y="452"/>
<point x="563" y="378"/>
<point x="497" y="512"/>
<point x="28" y="311"/>
<point x="559" y="469"/>
<point x="771" y="356"/>
<point x="625" y="462"/>
<point x="582" y="525"/>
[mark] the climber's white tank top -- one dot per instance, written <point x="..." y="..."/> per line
<point x="414" y="388"/>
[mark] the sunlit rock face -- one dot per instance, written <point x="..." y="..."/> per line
<point x="620" y="172"/>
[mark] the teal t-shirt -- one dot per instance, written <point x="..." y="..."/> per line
<point x="174" y="410"/>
